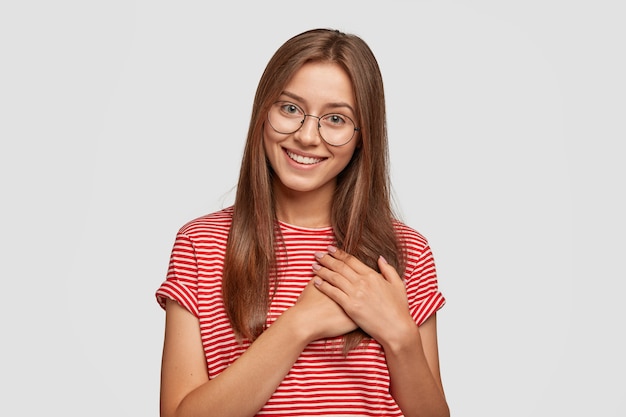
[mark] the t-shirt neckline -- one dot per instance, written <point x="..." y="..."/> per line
<point x="288" y="226"/>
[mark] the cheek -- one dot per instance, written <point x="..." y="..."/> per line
<point x="270" y="149"/>
<point x="267" y="141"/>
<point x="347" y="154"/>
<point x="354" y="157"/>
<point x="270" y="137"/>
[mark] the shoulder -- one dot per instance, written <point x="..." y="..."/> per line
<point x="410" y="238"/>
<point x="419" y="262"/>
<point x="215" y="224"/>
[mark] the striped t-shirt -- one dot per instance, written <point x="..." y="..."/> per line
<point x="322" y="381"/>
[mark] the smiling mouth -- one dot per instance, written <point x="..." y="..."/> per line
<point x="305" y="160"/>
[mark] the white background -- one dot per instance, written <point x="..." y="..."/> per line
<point x="122" y="120"/>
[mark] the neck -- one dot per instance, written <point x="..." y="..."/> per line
<point x="305" y="209"/>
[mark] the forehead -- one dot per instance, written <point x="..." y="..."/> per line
<point x="321" y="84"/>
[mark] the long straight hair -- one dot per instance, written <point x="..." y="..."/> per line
<point x="362" y="217"/>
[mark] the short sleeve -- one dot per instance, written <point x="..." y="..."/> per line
<point x="181" y="283"/>
<point x="422" y="287"/>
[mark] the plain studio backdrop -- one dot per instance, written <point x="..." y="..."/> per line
<point x="122" y="120"/>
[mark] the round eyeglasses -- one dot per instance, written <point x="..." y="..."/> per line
<point x="335" y="129"/>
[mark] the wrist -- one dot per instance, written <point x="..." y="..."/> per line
<point x="404" y="337"/>
<point x="300" y="333"/>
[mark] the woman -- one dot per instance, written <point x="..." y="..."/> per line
<point x="289" y="302"/>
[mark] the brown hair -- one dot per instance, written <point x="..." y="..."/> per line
<point x="362" y="217"/>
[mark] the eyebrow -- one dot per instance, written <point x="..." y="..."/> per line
<point x="332" y="104"/>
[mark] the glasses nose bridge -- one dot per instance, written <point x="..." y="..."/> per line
<point x="309" y="134"/>
<point x="311" y="115"/>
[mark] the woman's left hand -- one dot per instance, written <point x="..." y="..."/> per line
<point x="376" y="302"/>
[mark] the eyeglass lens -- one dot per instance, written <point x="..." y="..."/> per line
<point x="335" y="128"/>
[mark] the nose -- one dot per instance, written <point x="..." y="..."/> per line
<point x="309" y="133"/>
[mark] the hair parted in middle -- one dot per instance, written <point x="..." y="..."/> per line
<point x="362" y="216"/>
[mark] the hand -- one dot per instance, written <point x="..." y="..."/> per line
<point x="320" y="315"/>
<point x="376" y="302"/>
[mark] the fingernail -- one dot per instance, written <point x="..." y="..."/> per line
<point x="317" y="282"/>
<point x="316" y="266"/>
<point x="332" y="249"/>
<point x="319" y="255"/>
<point x="382" y="258"/>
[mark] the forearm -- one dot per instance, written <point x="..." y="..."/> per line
<point x="415" y="388"/>
<point x="245" y="387"/>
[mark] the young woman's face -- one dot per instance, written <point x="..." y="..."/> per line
<point x="302" y="160"/>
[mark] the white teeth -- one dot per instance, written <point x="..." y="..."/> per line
<point x="306" y="160"/>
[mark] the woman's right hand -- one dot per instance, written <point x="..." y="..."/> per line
<point x="320" y="316"/>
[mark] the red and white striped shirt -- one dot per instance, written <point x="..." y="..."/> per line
<point x="322" y="381"/>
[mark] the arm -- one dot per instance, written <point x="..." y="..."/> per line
<point x="413" y="362"/>
<point x="186" y="389"/>
<point x="378" y="304"/>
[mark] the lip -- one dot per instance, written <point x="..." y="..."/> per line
<point x="307" y="159"/>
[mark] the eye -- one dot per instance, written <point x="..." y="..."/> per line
<point x="334" y="120"/>
<point x="290" y="109"/>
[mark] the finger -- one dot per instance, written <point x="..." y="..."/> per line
<point x="331" y="277"/>
<point x="351" y="261"/>
<point x="388" y="271"/>
<point x="330" y="291"/>
<point x="335" y="265"/>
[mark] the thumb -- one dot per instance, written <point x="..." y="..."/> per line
<point x="388" y="271"/>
